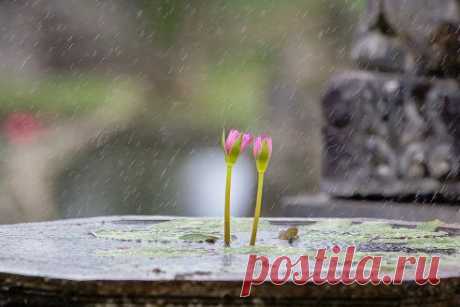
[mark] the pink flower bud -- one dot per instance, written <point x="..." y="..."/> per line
<point x="235" y="143"/>
<point x="232" y="138"/>
<point x="258" y="145"/>
<point x="262" y="151"/>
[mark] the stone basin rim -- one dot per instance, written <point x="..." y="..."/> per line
<point x="161" y="218"/>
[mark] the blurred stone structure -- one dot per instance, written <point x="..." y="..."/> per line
<point x="393" y="128"/>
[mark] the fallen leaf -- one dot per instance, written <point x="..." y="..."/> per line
<point x="290" y="234"/>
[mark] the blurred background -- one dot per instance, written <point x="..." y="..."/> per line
<point x="117" y="107"/>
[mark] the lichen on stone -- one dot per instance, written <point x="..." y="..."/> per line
<point x="188" y="237"/>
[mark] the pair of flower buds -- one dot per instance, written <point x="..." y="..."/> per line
<point x="234" y="144"/>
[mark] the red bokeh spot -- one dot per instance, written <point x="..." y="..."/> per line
<point x="21" y="127"/>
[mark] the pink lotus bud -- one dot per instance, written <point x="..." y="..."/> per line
<point x="262" y="151"/>
<point x="234" y="144"/>
<point x="232" y="138"/>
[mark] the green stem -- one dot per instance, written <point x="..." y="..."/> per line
<point x="228" y="189"/>
<point x="255" y="222"/>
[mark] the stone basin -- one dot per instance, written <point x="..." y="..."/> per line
<point x="171" y="261"/>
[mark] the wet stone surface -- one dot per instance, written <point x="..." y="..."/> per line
<point x="148" y="259"/>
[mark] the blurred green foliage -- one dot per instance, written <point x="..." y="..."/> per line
<point x="246" y="39"/>
<point x="63" y="94"/>
<point x="241" y="41"/>
<point x="164" y="18"/>
<point x="232" y="93"/>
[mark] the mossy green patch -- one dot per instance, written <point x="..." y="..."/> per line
<point x="185" y="237"/>
<point x="430" y="226"/>
<point x="179" y="229"/>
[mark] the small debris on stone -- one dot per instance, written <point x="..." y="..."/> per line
<point x="290" y="234"/>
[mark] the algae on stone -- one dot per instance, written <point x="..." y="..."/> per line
<point x="185" y="237"/>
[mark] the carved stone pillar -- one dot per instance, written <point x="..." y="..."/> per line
<point x="393" y="128"/>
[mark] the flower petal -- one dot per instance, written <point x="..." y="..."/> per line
<point x="262" y="150"/>
<point x="247" y="139"/>
<point x="257" y="147"/>
<point x="269" y="142"/>
<point x="232" y="137"/>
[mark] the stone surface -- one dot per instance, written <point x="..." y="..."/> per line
<point x="322" y="205"/>
<point x="159" y="261"/>
<point x="391" y="135"/>
<point x="419" y="36"/>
